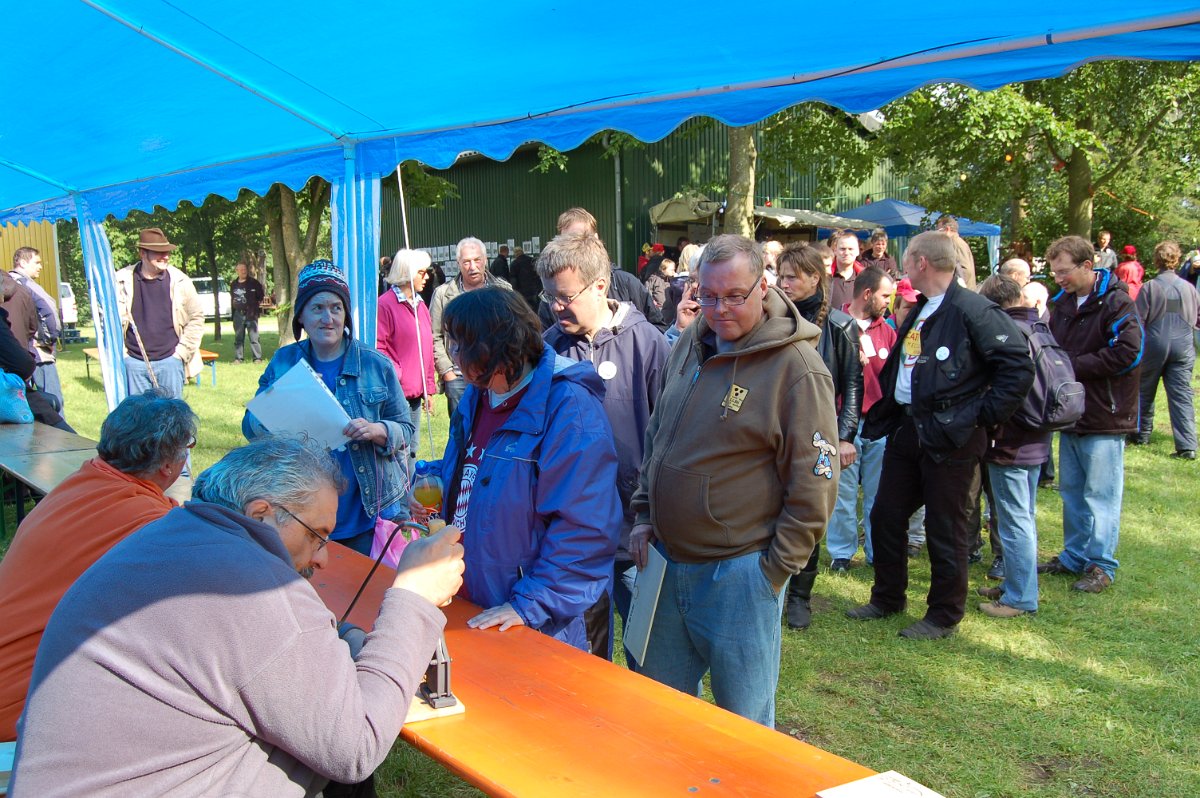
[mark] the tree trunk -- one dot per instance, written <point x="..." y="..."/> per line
<point x="739" y="194"/>
<point x="210" y="250"/>
<point x="1079" y="193"/>
<point x="292" y="250"/>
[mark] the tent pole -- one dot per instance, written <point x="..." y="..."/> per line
<point x="403" y="209"/>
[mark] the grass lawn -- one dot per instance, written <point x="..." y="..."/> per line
<point x="1097" y="695"/>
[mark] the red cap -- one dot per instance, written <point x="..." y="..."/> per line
<point x="658" y="248"/>
<point x="906" y="292"/>
<point x="1130" y="249"/>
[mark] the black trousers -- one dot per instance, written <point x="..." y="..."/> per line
<point x="911" y="478"/>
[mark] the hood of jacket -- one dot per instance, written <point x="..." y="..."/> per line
<point x="781" y="325"/>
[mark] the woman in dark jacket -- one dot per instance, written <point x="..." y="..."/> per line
<point x="802" y="276"/>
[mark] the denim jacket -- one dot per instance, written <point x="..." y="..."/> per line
<point x="367" y="388"/>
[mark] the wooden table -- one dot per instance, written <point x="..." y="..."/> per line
<point x="39" y="437"/>
<point x="544" y="719"/>
<point x="38" y="456"/>
<point x="207" y="357"/>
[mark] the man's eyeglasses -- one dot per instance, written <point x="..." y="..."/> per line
<point x="731" y="301"/>
<point x="564" y="301"/>
<point x="324" y="540"/>
<point x="192" y="442"/>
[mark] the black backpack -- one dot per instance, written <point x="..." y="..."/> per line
<point x="1055" y="400"/>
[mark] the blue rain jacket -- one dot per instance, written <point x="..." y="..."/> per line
<point x="545" y="516"/>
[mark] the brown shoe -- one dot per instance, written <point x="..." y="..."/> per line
<point x="1094" y="581"/>
<point x="1054" y="566"/>
<point x="997" y="610"/>
<point x="992" y="593"/>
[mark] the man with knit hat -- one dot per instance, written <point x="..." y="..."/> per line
<point x="161" y="317"/>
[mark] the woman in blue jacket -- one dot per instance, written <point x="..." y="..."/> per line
<point x="530" y="472"/>
<point x="365" y="384"/>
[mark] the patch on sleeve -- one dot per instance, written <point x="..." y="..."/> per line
<point x="733" y="400"/>
<point x="825" y="451"/>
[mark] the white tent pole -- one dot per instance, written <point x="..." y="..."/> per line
<point x="403" y="207"/>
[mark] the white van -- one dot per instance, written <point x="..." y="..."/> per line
<point x="66" y="305"/>
<point x="204" y="289"/>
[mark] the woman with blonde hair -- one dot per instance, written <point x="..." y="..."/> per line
<point x="405" y="334"/>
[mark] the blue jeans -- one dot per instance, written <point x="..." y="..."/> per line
<point x="1091" y="479"/>
<point x="721" y="617"/>
<point x="454" y="390"/>
<point x="841" y="538"/>
<point x="169" y="372"/>
<point x="45" y="377"/>
<point x="1014" y="491"/>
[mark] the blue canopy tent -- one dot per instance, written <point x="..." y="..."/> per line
<point x="903" y="219"/>
<point x="118" y="105"/>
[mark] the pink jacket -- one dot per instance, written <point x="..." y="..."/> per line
<point x="405" y="335"/>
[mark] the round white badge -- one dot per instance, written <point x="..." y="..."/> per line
<point x="942" y="353"/>
<point x="607" y="370"/>
<point x="883" y="352"/>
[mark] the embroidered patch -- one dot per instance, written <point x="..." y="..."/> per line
<point x="825" y="451"/>
<point x="733" y="400"/>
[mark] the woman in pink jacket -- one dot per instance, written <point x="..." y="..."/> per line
<point x="405" y="333"/>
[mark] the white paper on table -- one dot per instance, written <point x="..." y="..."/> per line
<point x="636" y="634"/>
<point x="881" y="785"/>
<point x="298" y="402"/>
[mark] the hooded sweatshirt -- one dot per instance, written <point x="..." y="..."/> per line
<point x="630" y="355"/>
<point x="741" y="452"/>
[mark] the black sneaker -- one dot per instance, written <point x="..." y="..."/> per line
<point x="1137" y="440"/>
<point x="238" y="361"/>
<point x="840" y="566"/>
<point x="914" y="551"/>
<point x="1185" y="454"/>
<point x="924" y="630"/>
<point x="996" y="572"/>
<point x="868" y="612"/>
<point x="975" y="557"/>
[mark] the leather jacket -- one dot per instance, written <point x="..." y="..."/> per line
<point x="973" y="371"/>
<point x="839" y="348"/>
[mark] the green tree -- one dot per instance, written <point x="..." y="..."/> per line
<point x="294" y="245"/>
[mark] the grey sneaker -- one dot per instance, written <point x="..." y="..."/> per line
<point x="996" y="572"/>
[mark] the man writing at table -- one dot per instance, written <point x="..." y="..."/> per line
<point x="195" y="658"/>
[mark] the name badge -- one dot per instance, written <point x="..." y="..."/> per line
<point x="733" y="400"/>
<point x="912" y="343"/>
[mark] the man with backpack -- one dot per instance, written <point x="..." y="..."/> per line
<point x="1018" y="448"/>
<point x="1095" y="321"/>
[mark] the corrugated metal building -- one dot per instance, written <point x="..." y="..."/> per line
<point x="510" y="200"/>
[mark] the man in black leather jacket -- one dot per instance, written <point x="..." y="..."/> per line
<point x="960" y="366"/>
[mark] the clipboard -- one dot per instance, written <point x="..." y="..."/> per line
<point x="300" y="404"/>
<point x="646" y="591"/>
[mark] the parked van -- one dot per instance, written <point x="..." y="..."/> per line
<point x="204" y="289"/>
<point x="66" y="305"/>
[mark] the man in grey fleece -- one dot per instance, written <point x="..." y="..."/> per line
<point x="195" y="659"/>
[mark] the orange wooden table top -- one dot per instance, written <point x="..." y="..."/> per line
<point x="544" y="719"/>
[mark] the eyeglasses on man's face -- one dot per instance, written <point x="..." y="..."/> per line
<point x="564" y="301"/>
<point x="706" y="300"/>
<point x="324" y="540"/>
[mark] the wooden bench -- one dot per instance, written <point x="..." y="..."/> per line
<point x="207" y="357"/>
<point x="545" y="719"/>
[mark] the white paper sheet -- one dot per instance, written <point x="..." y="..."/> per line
<point x="881" y="785"/>
<point x="298" y="402"/>
<point x="645" y="601"/>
